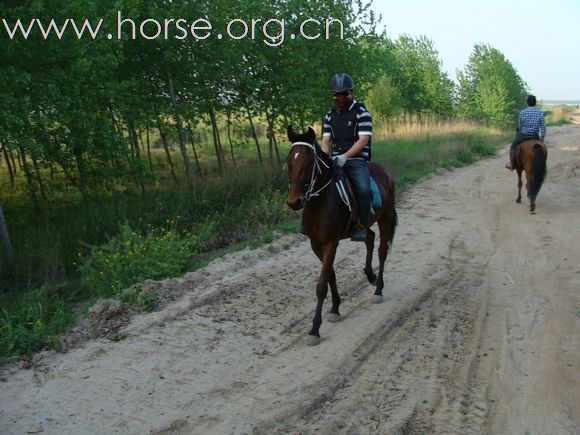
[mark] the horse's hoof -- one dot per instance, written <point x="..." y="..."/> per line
<point x="519" y="200"/>
<point x="377" y="299"/>
<point x="372" y="278"/>
<point x="312" y="340"/>
<point x="333" y="317"/>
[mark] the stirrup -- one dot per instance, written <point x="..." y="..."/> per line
<point x="357" y="236"/>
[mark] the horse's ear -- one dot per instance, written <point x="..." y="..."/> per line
<point x="310" y="135"/>
<point x="291" y="134"/>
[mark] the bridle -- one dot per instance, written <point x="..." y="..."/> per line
<point x="316" y="171"/>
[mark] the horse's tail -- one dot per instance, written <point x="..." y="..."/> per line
<point x="394" y="224"/>
<point x="395" y="220"/>
<point x="538" y="171"/>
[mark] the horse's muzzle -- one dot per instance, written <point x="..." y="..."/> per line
<point x="296" y="204"/>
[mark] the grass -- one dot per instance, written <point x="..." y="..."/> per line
<point x="68" y="256"/>
<point x="558" y="115"/>
<point x="412" y="157"/>
<point x="33" y="320"/>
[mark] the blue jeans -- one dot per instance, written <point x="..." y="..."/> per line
<point x="358" y="172"/>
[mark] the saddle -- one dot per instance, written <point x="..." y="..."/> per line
<point x="348" y="196"/>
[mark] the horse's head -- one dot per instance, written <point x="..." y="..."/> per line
<point x="300" y="162"/>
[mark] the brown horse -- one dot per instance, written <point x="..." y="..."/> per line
<point x="327" y="220"/>
<point x="531" y="156"/>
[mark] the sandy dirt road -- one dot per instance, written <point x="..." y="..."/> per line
<point x="479" y="331"/>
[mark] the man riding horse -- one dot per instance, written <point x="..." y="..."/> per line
<point x="531" y="125"/>
<point x="346" y="136"/>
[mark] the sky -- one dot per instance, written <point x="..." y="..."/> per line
<point x="540" y="38"/>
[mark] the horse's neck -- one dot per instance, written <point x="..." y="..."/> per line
<point x="324" y="178"/>
<point x="324" y="187"/>
<point x="326" y="207"/>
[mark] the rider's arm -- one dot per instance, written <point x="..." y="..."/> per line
<point x="326" y="134"/>
<point x="325" y="144"/>
<point x="364" y="131"/>
<point x="358" y="146"/>
<point x="542" y="128"/>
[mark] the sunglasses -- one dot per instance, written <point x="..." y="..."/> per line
<point x="341" y="94"/>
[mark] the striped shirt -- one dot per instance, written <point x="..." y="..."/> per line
<point x="531" y="121"/>
<point x="348" y="126"/>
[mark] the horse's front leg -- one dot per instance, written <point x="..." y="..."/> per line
<point x="334" y="314"/>
<point x="519" y="198"/>
<point x="326" y="255"/>
<point x="370" y="245"/>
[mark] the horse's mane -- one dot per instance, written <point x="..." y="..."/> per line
<point x="309" y="138"/>
<point x="325" y="157"/>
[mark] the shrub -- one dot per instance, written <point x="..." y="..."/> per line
<point x="32" y="322"/>
<point x="132" y="257"/>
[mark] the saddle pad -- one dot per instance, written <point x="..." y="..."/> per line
<point x="377" y="202"/>
<point x="345" y="193"/>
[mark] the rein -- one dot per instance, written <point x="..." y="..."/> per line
<point x="316" y="171"/>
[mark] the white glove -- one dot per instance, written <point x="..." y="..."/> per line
<point x="340" y="160"/>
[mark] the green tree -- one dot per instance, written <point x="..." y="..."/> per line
<point x="384" y="99"/>
<point x="425" y="89"/>
<point x="490" y="88"/>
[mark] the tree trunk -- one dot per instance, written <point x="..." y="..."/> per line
<point x="11" y="154"/>
<point x="141" y="142"/>
<point x="135" y="140"/>
<point x="135" y="160"/>
<point x="83" y="179"/>
<point x="273" y="136"/>
<point x="254" y="135"/>
<point x="230" y="138"/>
<point x="38" y="176"/>
<point x="149" y="143"/>
<point x="19" y="159"/>
<point x="29" y="179"/>
<point x="194" y="151"/>
<point x="216" y="142"/>
<point x="8" y="164"/>
<point x="167" y="153"/>
<point x="5" y="239"/>
<point x="136" y="175"/>
<point x="220" y="147"/>
<point x="270" y="142"/>
<point x="182" y="146"/>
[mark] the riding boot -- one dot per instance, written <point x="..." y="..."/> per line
<point x="513" y="159"/>
<point x="360" y="231"/>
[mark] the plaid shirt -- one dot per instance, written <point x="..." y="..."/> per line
<point x="531" y="122"/>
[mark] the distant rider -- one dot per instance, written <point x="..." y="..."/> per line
<point x="530" y="124"/>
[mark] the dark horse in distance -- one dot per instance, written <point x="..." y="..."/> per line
<point x="531" y="156"/>
<point x="327" y="220"/>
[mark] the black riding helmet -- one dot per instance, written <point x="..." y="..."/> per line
<point x="341" y="82"/>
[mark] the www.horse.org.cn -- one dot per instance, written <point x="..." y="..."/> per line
<point x="272" y="32"/>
